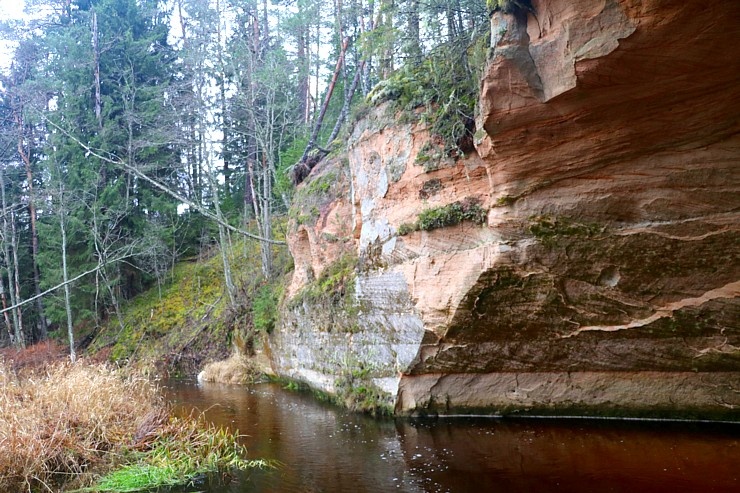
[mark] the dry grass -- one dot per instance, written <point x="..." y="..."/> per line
<point x="237" y="369"/>
<point x="36" y="356"/>
<point x="69" y="421"/>
<point x="65" y="425"/>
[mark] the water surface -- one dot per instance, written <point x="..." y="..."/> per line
<point x="322" y="448"/>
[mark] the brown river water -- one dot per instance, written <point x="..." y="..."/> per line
<point x="322" y="448"/>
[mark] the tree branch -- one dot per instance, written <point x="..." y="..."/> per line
<point x="61" y="285"/>
<point x="135" y="171"/>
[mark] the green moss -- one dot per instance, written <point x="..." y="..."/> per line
<point x="432" y="158"/>
<point x="423" y="155"/>
<point x="548" y="229"/>
<point x="329" y="237"/>
<point x="446" y="215"/>
<point x="451" y="214"/>
<point x="359" y="111"/>
<point x="319" y="186"/>
<point x="304" y="218"/>
<point x="334" y="284"/>
<point x="265" y="306"/>
<point x="176" y="327"/>
<point x="317" y="191"/>
<point x="407" y="228"/>
<point x="354" y="391"/>
<point x="506" y="200"/>
<point x="357" y="392"/>
<point x="509" y="6"/>
<point x="307" y="199"/>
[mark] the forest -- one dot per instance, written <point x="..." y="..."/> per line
<point x="138" y="133"/>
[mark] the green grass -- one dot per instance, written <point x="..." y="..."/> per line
<point x="140" y="477"/>
<point x="195" y="448"/>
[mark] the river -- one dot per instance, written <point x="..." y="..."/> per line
<point x="322" y="448"/>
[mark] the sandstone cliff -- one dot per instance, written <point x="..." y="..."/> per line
<point x="605" y="279"/>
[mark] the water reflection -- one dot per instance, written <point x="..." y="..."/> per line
<point x="573" y="456"/>
<point x="325" y="449"/>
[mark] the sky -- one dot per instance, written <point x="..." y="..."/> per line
<point x="9" y="9"/>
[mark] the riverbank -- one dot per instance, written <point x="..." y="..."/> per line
<point x="87" y="425"/>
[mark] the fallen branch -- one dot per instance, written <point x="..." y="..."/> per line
<point x="303" y="167"/>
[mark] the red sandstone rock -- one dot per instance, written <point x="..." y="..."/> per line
<point x="606" y="278"/>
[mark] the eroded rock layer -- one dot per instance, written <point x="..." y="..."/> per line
<point x="606" y="278"/>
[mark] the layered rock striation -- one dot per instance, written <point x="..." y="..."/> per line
<point x="605" y="279"/>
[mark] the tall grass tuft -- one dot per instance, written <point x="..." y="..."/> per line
<point x="189" y="448"/>
<point x="66" y="425"/>
<point x="238" y="369"/>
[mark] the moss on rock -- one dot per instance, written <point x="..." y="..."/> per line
<point x="468" y="209"/>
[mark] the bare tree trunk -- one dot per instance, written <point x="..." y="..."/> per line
<point x="62" y="212"/>
<point x="101" y="249"/>
<point x="413" y="45"/>
<point x="25" y="155"/>
<point x="366" y="28"/>
<point x="304" y="92"/>
<point x="222" y="100"/>
<point x="223" y="244"/>
<point x="347" y="102"/>
<point x="19" y="320"/>
<point x="96" y="67"/>
<point x="8" y="326"/>
<point x="261" y="204"/>
<point x="248" y="191"/>
<point x="18" y="340"/>
<point x="114" y="299"/>
<point x="385" y="15"/>
<point x="65" y="275"/>
<point x="266" y="229"/>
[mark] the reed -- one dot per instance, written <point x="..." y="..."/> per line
<point x="66" y="425"/>
<point x="238" y="369"/>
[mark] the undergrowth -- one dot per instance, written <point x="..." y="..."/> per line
<point x="189" y="320"/>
